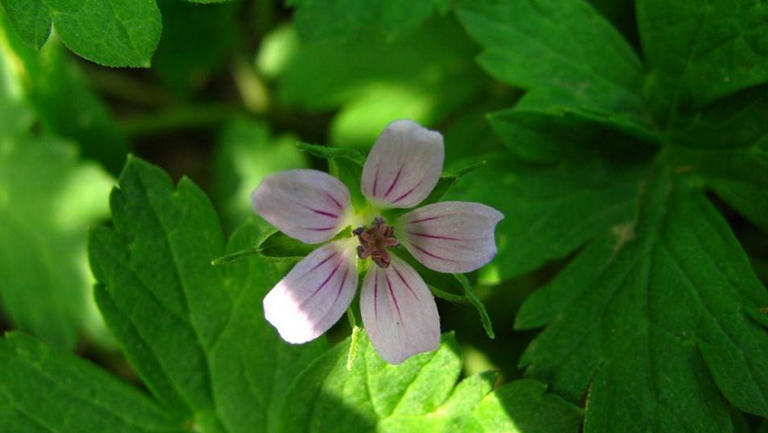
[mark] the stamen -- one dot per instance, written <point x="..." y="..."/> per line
<point x="375" y="240"/>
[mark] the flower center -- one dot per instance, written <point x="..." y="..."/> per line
<point x="375" y="240"/>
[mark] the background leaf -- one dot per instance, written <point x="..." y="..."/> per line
<point x="550" y="211"/>
<point x="698" y="54"/>
<point x="48" y="198"/>
<point x="564" y="47"/>
<point x="377" y="81"/>
<point x="346" y="19"/>
<point x="661" y="312"/>
<point x="61" y="99"/>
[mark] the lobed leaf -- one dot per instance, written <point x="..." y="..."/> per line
<point x="552" y="210"/>
<point x="697" y="53"/>
<point x="195" y="333"/>
<point x="656" y="319"/>
<point x="419" y="395"/>
<point x="570" y="54"/>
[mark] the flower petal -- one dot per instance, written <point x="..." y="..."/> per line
<point x="307" y="205"/>
<point x="452" y="237"/>
<point x="315" y="294"/>
<point x="403" y="166"/>
<point x="399" y="312"/>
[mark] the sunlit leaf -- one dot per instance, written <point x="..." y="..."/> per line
<point x="48" y="198"/>
<point x="182" y="322"/>
<point x="106" y="32"/>
<point x="421" y="395"/>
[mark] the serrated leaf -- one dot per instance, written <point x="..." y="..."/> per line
<point x="110" y="33"/>
<point x="564" y="46"/>
<point x="181" y="321"/>
<point x="419" y="395"/>
<point x="550" y="211"/>
<point x="525" y="406"/>
<point x="48" y="198"/>
<point x="697" y="53"/>
<point x="657" y="320"/>
<point x="42" y="390"/>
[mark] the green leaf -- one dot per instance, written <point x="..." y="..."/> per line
<point x="247" y="153"/>
<point x="452" y="287"/>
<point x="181" y="321"/>
<point x="697" y="53"/>
<point x="545" y="136"/>
<point x="740" y="178"/>
<point x="565" y="47"/>
<point x="351" y="174"/>
<point x="656" y="321"/>
<point x="42" y="390"/>
<point x="550" y="211"/>
<point x="16" y="115"/>
<point x="63" y="101"/>
<point x="250" y="380"/>
<point x="375" y="82"/>
<point x="48" y="198"/>
<point x="275" y="245"/>
<point x="31" y="19"/>
<point x="345" y="164"/>
<point x="419" y="395"/>
<point x="347" y="19"/>
<point x="730" y="123"/>
<point x="524" y="406"/>
<point x="330" y="152"/>
<point x="122" y="33"/>
<point x="448" y="180"/>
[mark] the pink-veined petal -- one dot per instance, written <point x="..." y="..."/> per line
<point x="315" y="294"/>
<point x="451" y="237"/>
<point x="399" y="312"/>
<point x="403" y="166"/>
<point x="307" y="205"/>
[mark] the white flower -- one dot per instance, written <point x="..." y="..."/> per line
<point x="398" y="310"/>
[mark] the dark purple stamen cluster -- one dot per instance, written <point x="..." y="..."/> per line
<point x="375" y="240"/>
